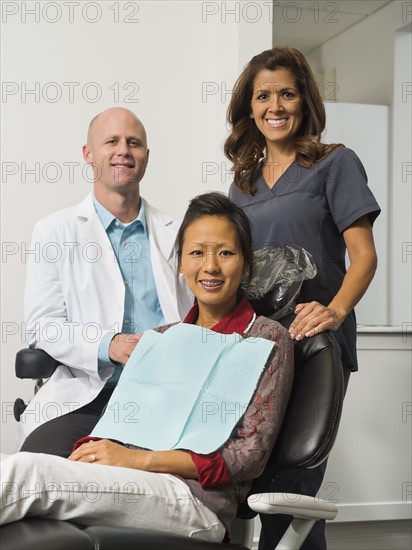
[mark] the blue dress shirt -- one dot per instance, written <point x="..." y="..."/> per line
<point x="142" y="310"/>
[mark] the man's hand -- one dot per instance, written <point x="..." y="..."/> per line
<point x="122" y="346"/>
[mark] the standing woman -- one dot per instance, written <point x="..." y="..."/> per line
<point x="298" y="191"/>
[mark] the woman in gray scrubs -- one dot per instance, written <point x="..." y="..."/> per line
<point x="298" y="191"/>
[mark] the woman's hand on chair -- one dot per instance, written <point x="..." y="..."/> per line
<point x="313" y="318"/>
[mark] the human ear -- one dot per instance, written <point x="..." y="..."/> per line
<point x="87" y="153"/>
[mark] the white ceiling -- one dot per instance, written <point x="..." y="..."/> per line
<point x="307" y="24"/>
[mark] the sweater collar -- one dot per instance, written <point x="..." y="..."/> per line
<point x="237" y="321"/>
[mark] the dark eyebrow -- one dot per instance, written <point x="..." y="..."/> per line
<point x="259" y="88"/>
<point x="217" y="245"/>
<point x="268" y="86"/>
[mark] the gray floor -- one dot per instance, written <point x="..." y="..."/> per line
<point x="371" y="535"/>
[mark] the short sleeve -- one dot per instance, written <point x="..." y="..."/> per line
<point x="347" y="190"/>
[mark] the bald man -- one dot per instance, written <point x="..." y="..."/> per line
<point x="115" y="277"/>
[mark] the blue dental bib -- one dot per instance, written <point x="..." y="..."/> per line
<point x="184" y="389"/>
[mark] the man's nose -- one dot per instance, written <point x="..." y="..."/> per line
<point x="123" y="148"/>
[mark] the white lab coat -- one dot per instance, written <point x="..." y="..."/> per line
<point x="75" y="295"/>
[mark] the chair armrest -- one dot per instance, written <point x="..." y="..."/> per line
<point x="298" y="506"/>
<point x="35" y="364"/>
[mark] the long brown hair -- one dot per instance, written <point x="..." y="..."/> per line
<point x="245" y="145"/>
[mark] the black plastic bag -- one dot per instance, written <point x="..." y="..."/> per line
<point x="279" y="273"/>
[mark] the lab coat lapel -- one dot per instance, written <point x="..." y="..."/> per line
<point x="94" y="232"/>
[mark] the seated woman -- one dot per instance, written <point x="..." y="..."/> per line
<point x="182" y="490"/>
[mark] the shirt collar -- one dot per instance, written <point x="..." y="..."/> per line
<point x="237" y="321"/>
<point x="107" y="217"/>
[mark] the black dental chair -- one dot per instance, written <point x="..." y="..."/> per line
<point x="306" y="438"/>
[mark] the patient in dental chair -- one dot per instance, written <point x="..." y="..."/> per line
<point x="195" y="414"/>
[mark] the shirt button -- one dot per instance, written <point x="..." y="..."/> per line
<point x="126" y="282"/>
<point x="127" y="322"/>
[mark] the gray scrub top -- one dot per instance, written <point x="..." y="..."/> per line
<point x="311" y="207"/>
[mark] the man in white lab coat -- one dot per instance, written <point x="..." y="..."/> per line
<point x="106" y="272"/>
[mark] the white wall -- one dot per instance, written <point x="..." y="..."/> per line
<point x="177" y="59"/>
<point x="401" y="185"/>
<point x="369" y="471"/>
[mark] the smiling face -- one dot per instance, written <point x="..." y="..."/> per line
<point x="117" y="150"/>
<point x="213" y="265"/>
<point x="276" y="106"/>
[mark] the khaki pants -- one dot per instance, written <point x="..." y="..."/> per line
<point x="34" y="484"/>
